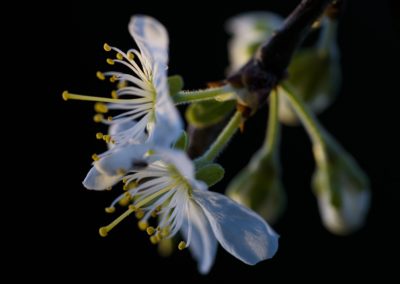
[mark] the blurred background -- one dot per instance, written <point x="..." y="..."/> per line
<point x="364" y="119"/>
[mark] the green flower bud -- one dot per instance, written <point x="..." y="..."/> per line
<point x="341" y="188"/>
<point x="259" y="187"/>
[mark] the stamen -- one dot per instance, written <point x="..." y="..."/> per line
<point x="154" y="240"/>
<point x="139" y="213"/>
<point x="100" y="107"/>
<point x="69" y="96"/>
<point x="143" y="225"/>
<point x="120" y="56"/>
<point x="114" y="94"/>
<point x="110" y="61"/>
<point x="95" y="157"/>
<point x="100" y="76"/>
<point x="113" y="79"/>
<point x="131" y="56"/>
<point x="103" y="231"/>
<point x="107" y="47"/>
<point x="150" y="230"/>
<point x="98" y="118"/>
<point x="99" y="135"/>
<point x="182" y="245"/>
<point x="110" y="209"/>
<point x="122" y="84"/>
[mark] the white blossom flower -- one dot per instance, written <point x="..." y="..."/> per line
<point x="166" y="186"/>
<point x="143" y="96"/>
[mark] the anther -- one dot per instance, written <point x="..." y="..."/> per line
<point x="110" y="209"/>
<point x="182" y="245"/>
<point x="100" y="75"/>
<point x="110" y="61"/>
<point x="98" y="118"/>
<point x="103" y="231"/>
<point x="99" y="135"/>
<point x="143" y="225"/>
<point x="107" y="47"/>
<point x="150" y="230"/>
<point x="100" y="107"/>
<point x="95" y="157"/>
<point x="119" y="56"/>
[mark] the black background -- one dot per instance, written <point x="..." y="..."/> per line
<point x="364" y="118"/>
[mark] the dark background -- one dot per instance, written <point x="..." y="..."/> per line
<point x="364" y="118"/>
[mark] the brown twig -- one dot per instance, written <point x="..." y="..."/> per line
<point x="268" y="66"/>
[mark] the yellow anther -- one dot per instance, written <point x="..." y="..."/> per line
<point x="122" y="84"/>
<point x="110" y="61"/>
<point x="98" y="118"/>
<point x="143" y="225"/>
<point x="139" y="214"/>
<point x="100" y="75"/>
<point x="100" y="107"/>
<point x="164" y="232"/>
<point x="95" y="157"/>
<point x="99" y="135"/>
<point x="120" y="56"/>
<point x="131" y="56"/>
<point x="124" y="180"/>
<point x="150" y="230"/>
<point x="107" y="138"/>
<point x="154" y="240"/>
<point x="110" y="210"/>
<point x="109" y="118"/>
<point x="114" y="94"/>
<point x="182" y="245"/>
<point x="65" y="95"/>
<point x="113" y="78"/>
<point x="132" y="207"/>
<point x="103" y="231"/>
<point x="124" y="201"/>
<point x="154" y="214"/>
<point x="107" y="47"/>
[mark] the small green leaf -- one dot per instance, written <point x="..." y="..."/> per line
<point x="210" y="174"/>
<point x="183" y="142"/>
<point x="207" y="113"/>
<point x="175" y="83"/>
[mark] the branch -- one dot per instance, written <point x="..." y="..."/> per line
<point x="268" y="67"/>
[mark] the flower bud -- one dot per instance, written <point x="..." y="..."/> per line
<point x="342" y="190"/>
<point x="259" y="187"/>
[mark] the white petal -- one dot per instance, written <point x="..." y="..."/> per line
<point x="168" y="127"/>
<point x="151" y="37"/>
<point x="178" y="159"/>
<point x="99" y="181"/>
<point x="203" y="244"/>
<point x="117" y="128"/>
<point x="239" y="230"/>
<point x="121" y="158"/>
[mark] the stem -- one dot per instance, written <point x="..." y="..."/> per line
<point x="222" y="140"/>
<point x="309" y="120"/>
<point x="203" y="95"/>
<point x="273" y="130"/>
<point x="267" y="68"/>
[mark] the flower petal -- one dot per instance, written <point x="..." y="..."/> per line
<point x="151" y="38"/>
<point x="203" y="244"/>
<point x="178" y="159"/>
<point x="118" y="128"/>
<point x="121" y="159"/>
<point x="239" y="230"/>
<point x="99" y="181"/>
